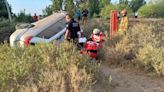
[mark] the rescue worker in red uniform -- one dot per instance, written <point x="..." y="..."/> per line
<point x="97" y="36"/>
<point x="95" y="42"/>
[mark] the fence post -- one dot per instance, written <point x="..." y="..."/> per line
<point x="113" y="23"/>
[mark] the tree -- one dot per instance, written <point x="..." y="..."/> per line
<point x="3" y="9"/>
<point x="93" y="7"/>
<point x="48" y="10"/>
<point x="57" y="5"/>
<point x="123" y="2"/>
<point x="23" y="17"/>
<point x="105" y="12"/>
<point x="136" y="4"/>
<point x="153" y="10"/>
<point x="104" y="3"/>
<point x="70" y="6"/>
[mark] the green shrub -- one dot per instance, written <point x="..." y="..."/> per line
<point x="105" y="12"/>
<point x="6" y="29"/>
<point x="23" y="17"/>
<point x="5" y="26"/>
<point x="152" y="10"/>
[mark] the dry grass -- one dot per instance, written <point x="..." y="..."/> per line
<point x="46" y="68"/>
<point x="99" y="23"/>
<point x="142" y="47"/>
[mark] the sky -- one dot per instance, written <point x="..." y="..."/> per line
<point x="31" y="6"/>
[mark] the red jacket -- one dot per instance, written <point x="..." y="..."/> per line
<point x="91" y="46"/>
<point x="35" y="18"/>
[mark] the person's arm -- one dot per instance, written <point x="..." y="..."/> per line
<point x="66" y="34"/>
<point x="126" y="23"/>
<point x="82" y="32"/>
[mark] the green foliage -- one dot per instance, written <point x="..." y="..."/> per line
<point x="3" y="9"/>
<point x="70" y="7"/>
<point x="120" y="7"/>
<point x="123" y="1"/>
<point x="23" y="17"/>
<point x="93" y="7"/>
<point x="105" y="12"/>
<point x="6" y="27"/>
<point x="136" y="4"/>
<point x="48" y="10"/>
<point x="104" y="3"/>
<point x="57" y="5"/>
<point x="152" y="10"/>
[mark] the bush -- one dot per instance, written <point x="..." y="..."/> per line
<point x="105" y="12"/>
<point x="46" y="67"/>
<point x="23" y="17"/>
<point x="152" y="10"/>
<point x="99" y="23"/>
<point x="151" y="59"/>
<point x="141" y="46"/>
<point x="6" y="29"/>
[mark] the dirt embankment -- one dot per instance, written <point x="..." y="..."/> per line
<point x="127" y="80"/>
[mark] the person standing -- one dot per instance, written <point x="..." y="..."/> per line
<point x="72" y="30"/>
<point x="85" y="16"/>
<point x="78" y="13"/>
<point x="35" y="17"/>
<point x="136" y="14"/>
<point x="123" y="27"/>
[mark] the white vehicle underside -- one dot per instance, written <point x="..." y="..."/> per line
<point x="46" y="30"/>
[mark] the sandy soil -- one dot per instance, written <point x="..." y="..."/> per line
<point x="126" y="80"/>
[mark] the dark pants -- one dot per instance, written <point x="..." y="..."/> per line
<point x="79" y="18"/>
<point x="73" y="41"/>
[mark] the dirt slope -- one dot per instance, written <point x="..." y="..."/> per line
<point x="133" y="81"/>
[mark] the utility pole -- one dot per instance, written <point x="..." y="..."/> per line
<point x="8" y="10"/>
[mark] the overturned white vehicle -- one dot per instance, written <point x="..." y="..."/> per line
<point x="46" y="30"/>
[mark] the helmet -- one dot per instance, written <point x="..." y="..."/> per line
<point x="96" y="31"/>
<point x="124" y="11"/>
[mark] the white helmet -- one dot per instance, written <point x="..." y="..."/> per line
<point x="96" y="31"/>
